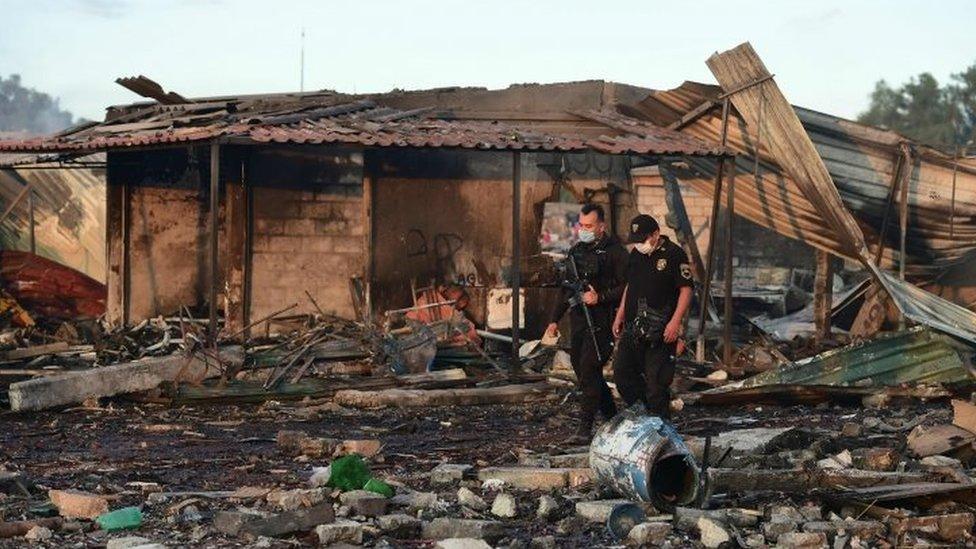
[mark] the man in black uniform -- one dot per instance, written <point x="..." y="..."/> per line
<point x="649" y="320"/>
<point x="600" y="261"/>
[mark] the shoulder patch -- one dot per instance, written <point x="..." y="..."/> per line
<point x="686" y="271"/>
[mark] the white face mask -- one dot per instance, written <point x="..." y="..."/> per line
<point x="586" y="236"/>
<point x="644" y="248"/>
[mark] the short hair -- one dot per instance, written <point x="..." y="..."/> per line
<point x="589" y="208"/>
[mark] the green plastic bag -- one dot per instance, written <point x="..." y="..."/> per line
<point x="379" y="487"/>
<point x="349" y="473"/>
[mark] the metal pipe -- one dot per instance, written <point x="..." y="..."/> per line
<point x="516" y="251"/>
<point x="710" y="254"/>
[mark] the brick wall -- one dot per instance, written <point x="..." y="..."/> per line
<point x="305" y="240"/>
<point x="651" y="201"/>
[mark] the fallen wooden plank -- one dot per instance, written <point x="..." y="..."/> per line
<point x="922" y="494"/>
<point x="801" y="481"/>
<point x="36" y="350"/>
<point x="964" y="415"/>
<point x="931" y="440"/>
<point x="410" y="398"/>
<point x="130" y="377"/>
<point x="20" y="528"/>
<point x="313" y="388"/>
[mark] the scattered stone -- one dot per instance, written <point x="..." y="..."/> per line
<point x="290" y="442"/>
<point x="948" y="467"/>
<point x="536" y="478"/>
<point x="811" y="512"/>
<point x="851" y="429"/>
<point x="543" y="542"/>
<point x="471" y="500"/>
<point x="860" y="528"/>
<point x="599" y="510"/>
<point x="416" y="500"/>
<point x="362" y="502"/>
<point x="777" y="526"/>
<point x="842" y="460"/>
<point x="132" y="542"/>
<point x="652" y="534"/>
<point x="712" y="533"/>
<point x="461" y="543"/>
<point x="548" y="507"/>
<point x="875" y="401"/>
<point x="38" y="533"/>
<point x="802" y="540"/>
<point x="320" y="476"/>
<point x="78" y="504"/>
<point x="340" y="531"/>
<point x="686" y="518"/>
<point x="290" y="500"/>
<point x="449" y="527"/>
<point x="449" y="473"/>
<point x="235" y="523"/>
<point x="400" y="526"/>
<point x="876" y="459"/>
<point x="953" y="528"/>
<point x="504" y="506"/>
<point x="366" y="448"/>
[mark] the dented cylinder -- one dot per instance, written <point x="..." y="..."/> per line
<point x="645" y="459"/>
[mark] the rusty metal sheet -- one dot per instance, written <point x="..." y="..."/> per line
<point x="359" y="122"/>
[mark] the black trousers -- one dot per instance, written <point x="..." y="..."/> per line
<point x="644" y="373"/>
<point x="589" y="368"/>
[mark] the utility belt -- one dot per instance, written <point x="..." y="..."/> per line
<point x="648" y="324"/>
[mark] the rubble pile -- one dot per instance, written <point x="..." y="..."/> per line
<point x="273" y="474"/>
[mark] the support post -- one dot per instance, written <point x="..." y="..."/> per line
<point x="903" y="228"/>
<point x="516" y="252"/>
<point x="823" y="297"/>
<point x="729" y="226"/>
<point x="710" y="254"/>
<point x="30" y="207"/>
<point x="237" y="223"/>
<point x="214" y="228"/>
<point x="116" y="248"/>
<point x="368" y="185"/>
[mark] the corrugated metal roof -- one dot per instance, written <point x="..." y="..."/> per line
<point x="861" y="160"/>
<point x="331" y="119"/>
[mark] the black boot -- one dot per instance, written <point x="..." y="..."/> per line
<point x="582" y="435"/>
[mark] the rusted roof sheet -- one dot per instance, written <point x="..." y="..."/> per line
<point x="861" y="160"/>
<point x="332" y="119"/>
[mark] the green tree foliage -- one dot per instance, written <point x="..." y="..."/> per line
<point x="28" y="110"/>
<point x="942" y="116"/>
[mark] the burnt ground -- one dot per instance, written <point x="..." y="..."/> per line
<point x="214" y="448"/>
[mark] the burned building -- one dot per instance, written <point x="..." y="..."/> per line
<point x="343" y="203"/>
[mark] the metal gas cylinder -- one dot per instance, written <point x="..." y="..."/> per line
<point x="644" y="458"/>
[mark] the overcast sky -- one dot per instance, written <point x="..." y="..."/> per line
<point x="826" y="54"/>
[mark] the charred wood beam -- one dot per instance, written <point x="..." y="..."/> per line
<point x="214" y="251"/>
<point x="516" y="251"/>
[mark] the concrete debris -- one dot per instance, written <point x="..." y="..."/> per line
<point x="445" y="527"/>
<point x="504" y="506"/>
<point x="652" y="534"/>
<point x="548" y="507"/>
<point x="598" y="511"/>
<point x="462" y="543"/>
<point x="77" y="504"/>
<point x="400" y="526"/>
<point x="363" y="503"/>
<point x="711" y="533"/>
<point x="449" y="473"/>
<point x="471" y="500"/>
<point x="340" y="531"/>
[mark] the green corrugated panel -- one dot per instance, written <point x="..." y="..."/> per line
<point x="911" y="356"/>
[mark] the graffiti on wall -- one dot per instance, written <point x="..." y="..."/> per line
<point x="444" y="253"/>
